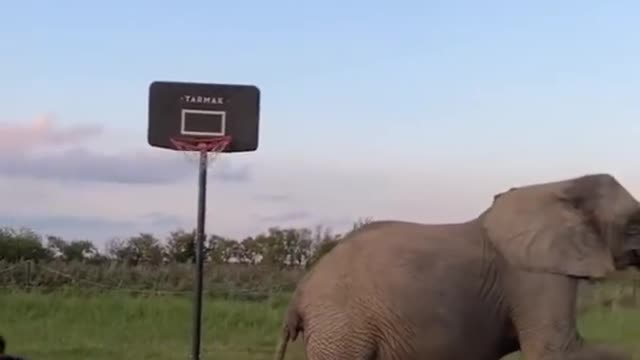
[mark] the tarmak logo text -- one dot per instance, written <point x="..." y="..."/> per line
<point x="198" y="99"/>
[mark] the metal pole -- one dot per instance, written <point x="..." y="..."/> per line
<point x="197" y="301"/>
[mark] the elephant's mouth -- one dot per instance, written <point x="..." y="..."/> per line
<point x="635" y="258"/>
<point x="631" y="258"/>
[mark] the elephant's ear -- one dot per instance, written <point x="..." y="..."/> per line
<point x="559" y="227"/>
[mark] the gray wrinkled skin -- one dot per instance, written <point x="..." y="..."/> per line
<point x="503" y="282"/>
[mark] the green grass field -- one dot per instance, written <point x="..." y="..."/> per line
<point x="69" y="326"/>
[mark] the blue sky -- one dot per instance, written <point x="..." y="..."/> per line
<point x="431" y="106"/>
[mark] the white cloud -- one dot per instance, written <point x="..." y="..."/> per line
<point x="133" y="167"/>
<point x="43" y="132"/>
<point x="67" y="156"/>
<point x="98" y="196"/>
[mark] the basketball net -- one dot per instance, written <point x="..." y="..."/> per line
<point x="192" y="147"/>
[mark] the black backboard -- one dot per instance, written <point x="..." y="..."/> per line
<point x="179" y="109"/>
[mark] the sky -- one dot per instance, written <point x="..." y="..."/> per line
<point x="411" y="110"/>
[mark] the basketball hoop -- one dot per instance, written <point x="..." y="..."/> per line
<point x="194" y="147"/>
<point x="199" y="119"/>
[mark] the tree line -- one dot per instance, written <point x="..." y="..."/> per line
<point x="279" y="247"/>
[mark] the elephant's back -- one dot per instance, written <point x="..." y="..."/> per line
<point x="388" y="243"/>
<point x="381" y="250"/>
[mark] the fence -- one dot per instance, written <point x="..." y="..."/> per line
<point x="244" y="282"/>
<point x="234" y="281"/>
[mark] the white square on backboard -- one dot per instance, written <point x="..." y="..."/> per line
<point x="223" y="125"/>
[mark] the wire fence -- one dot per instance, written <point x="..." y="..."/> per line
<point x="237" y="283"/>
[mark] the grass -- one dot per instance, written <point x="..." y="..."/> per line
<point x="69" y="326"/>
<point x="620" y="327"/>
<point x="72" y="326"/>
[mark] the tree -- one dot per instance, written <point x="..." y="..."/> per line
<point x="298" y="244"/>
<point x="360" y="223"/>
<point x="278" y="247"/>
<point x="250" y="253"/>
<point x="80" y="250"/>
<point x="116" y="249"/>
<point x="22" y="244"/>
<point x="76" y="250"/>
<point x="221" y="250"/>
<point x="272" y="248"/>
<point x="137" y="250"/>
<point x="281" y="247"/>
<point x="324" y="240"/>
<point x="181" y="246"/>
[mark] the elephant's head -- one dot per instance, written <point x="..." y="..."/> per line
<point x="584" y="227"/>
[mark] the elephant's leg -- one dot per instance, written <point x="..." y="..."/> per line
<point x="334" y="337"/>
<point x="544" y="314"/>
<point x="321" y="349"/>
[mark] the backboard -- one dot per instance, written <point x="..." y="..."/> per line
<point x="198" y="110"/>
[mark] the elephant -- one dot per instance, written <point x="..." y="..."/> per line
<point x="502" y="282"/>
